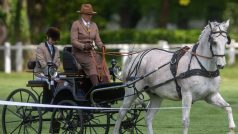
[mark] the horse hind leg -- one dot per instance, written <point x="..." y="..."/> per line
<point x="127" y="102"/>
<point x="155" y="102"/>
<point x="217" y="100"/>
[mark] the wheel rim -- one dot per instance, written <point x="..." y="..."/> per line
<point x="67" y="121"/>
<point x="96" y="122"/>
<point x="21" y="119"/>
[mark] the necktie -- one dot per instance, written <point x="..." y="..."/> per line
<point x="51" y="49"/>
<point x="88" y="27"/>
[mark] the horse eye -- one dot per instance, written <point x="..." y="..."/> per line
<point x="213" y="43"/>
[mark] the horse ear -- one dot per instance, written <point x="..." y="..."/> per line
<point x="227" y="23"/>
<point x="210" y="24"/>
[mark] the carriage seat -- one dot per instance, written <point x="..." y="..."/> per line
<point x="37" y="83"/>
<point x="70" y="64"/>
<point x="31" y="64"/>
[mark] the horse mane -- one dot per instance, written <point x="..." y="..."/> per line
<point x="205" y="30"/>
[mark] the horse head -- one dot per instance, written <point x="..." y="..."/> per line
<point x="218" y="38"/>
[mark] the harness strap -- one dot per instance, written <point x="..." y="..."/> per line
<point x="193" y="72"/>
<point x="199" y="72"/>
<point x="174" y="66"/>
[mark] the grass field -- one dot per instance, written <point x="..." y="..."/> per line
<point x="205" y="119"/>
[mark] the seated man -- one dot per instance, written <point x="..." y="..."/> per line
<point x="46" y="53"/>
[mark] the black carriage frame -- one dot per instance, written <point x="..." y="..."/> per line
<point x="74" y="89"/>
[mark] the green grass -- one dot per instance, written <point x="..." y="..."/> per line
<point x="205" y="118"/>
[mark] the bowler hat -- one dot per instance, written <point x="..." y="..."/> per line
<point x="54" y="33"/>
<point x="86" y="9"/>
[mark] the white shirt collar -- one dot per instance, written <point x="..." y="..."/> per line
<point x="86" y="23"/>
<point x="50" y="46"/>
<point x="48" y="43"/>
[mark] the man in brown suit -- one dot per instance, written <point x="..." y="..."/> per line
<point x="84" y="34"/>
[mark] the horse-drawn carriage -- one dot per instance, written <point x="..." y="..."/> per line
<point x="188" y="74"/>
<point x="71" y="88"/>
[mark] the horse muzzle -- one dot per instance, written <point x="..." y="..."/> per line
<point x="220" y="67"/>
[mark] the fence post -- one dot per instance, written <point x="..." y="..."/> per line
<point x="231" y="53"/>
<point x="125" y="49"/>
<point x="163" y="44"/>
<point x="19" y="58"/>
<point x="7" y="57"/>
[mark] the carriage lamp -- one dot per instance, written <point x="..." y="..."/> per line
<point x="115" y="70"/>
<point x="51" y="73"/>
<point x="52" y="70"/>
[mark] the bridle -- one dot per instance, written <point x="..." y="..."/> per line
<point x="220" y="33"/>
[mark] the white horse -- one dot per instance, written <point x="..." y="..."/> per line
<point x="196" y="73"/>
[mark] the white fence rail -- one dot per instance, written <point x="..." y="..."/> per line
<point x="19" y="47"/>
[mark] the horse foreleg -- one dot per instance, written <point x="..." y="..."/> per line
<point x="186" y="104"/>
<point x="155" y="102"/>
<point x="217" y="100"/>
<point x="122" y="112"/>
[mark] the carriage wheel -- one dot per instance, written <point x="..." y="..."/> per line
<point x="21" y="119"/>
<point x="67" y="120"/>
<point x="133" y="122"/>
<point x="97" y="122"/>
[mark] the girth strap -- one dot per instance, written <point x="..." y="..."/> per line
<point x="199" y="72"/>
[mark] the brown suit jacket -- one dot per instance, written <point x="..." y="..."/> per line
<point x="43" y="56"/>
<point x="79" y="37"/>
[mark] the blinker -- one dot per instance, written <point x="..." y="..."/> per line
<point x="228" y="40"/>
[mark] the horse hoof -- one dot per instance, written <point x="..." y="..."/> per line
<point x="232" y="131"/>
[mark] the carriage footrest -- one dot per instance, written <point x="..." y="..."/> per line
<point x="37" y="83"/>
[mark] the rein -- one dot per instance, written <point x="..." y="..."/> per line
<point x="103" y="70"/>
<point x="195" y="54"/>
<point x="136" y="52"/>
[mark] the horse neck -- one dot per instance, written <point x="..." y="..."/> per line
<point x="204" y="50"/>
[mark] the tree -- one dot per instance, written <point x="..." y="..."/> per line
<point x="231" y="13"/>
<point x="3" y="15"/>
<point x="36" y="17"/>
<point x="164" y="14"/>
<point x="17" y="25"/>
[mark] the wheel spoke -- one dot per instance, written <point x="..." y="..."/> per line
<point x="14" y="113"/>
<point x="16" y="128"/>
<point x="19" y="130"/>
<point x="138" y="130"/>
<point x="14" y="101"/>
<point x="24" y="130"/>
<point x="27" y="130"/>
<point x="33" y="129"/>
<point x="138" y="120"/>
<point x="13" y="121"/>
<point x="94" y="129"/>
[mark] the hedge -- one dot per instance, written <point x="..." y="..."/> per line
<point x="140" y="36"/>
<point x="150" y="36"/>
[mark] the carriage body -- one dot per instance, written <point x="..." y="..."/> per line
<point x="72" y="88"/>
